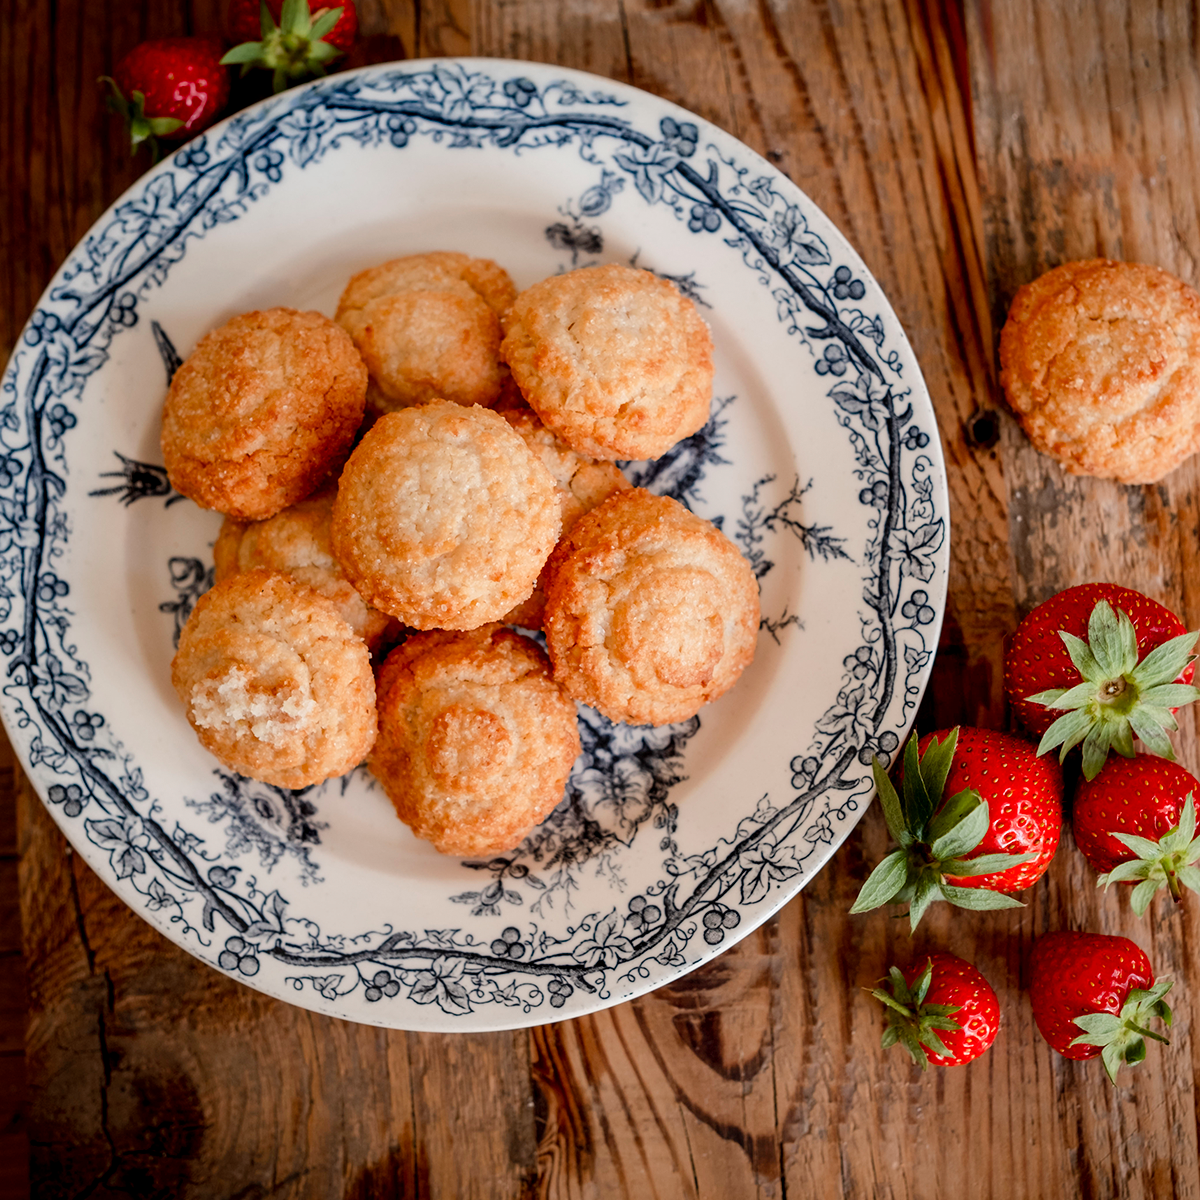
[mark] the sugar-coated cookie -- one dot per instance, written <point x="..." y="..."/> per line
<point x="476" y="740"/>
<point x="275" y="683"/>
<point x="296" y="541"/>
<point x="651" y="611"/>
<point x="615" y="360"/>
<point x="428" y="327"/>
<point x="444" y="517"/>
<point x="262" y="411"/>
<point x="1100" y="361"/>
<point x="582" y="484"/>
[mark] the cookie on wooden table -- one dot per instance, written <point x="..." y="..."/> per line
<point x="651" y="611"/>
<point x="262" y="411"/>
<point x="582" y="483"/>
<point x="444" y="517"/>
<point x="476" y="740"/>
<point x="1100" y="361"/>
<point x="296" y="541"/>
<point x="428" y="327"/>
<point x="614" y="360"/>
<point x="275" y="683"/>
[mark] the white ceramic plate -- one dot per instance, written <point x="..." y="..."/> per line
<point x="821" y="461"/>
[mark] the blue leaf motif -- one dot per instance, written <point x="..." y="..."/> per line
<point x="124" y="840"/>
<point x="58" y="686"/>
<point x="327" y="985"/>
<point x="649" y="169"/>
<point x="767" y="864"/>
<point x="153" y="212"/>
<point x="157" y="896"/>
<point x="789" y="232"/>
<point x="442" y="986"/>
<point x="306" y="130"/>
<point x="607" y="946"/>
<point x="68" y="365"/>
<point x="916" y="548"/>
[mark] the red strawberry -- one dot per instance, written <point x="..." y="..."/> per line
<point x="942" y="1011"/>
<point x="1093" y="994"/>
<point x="171" y="88"/>
<point x="996" y="833"/>
<point x="289" y="38"/>
<point x="1133" y="671"/>
<point x="1136" y="823"/>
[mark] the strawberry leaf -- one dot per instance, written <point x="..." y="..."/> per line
<point x="978" y="899"/>
<point x="1068" y="731"/>
<point x="952" y="812"/>
<point x="893" y="813"/>
<point x="1142" y="847"/>
<point x="1081" y="655"/>
<point x="918" y="806"/>
<point x="928" y="889"/>
<point x="934" y="764"/>
<point x="247" y="52"/>
<point x="883" y="883"/>
<point x="1141" y="896"/>
<point x="324" y="24"/>
<point x="983" y="864"/>
<point x="965" y="835"/>
<point x="1165" y="663"/>
<point x="1112" y="640"/>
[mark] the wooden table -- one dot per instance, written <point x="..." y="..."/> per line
<point x="962" y="151"/>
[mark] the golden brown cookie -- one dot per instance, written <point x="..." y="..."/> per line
<point x="262" y="411"/>
<point x="444" y="517"/>
<point x="428" y="327"/>
<point x="614" y="360"/>
<point x="476" y="740"/>
<point x="1100" y="361"/>
<point x="582" y="484"/>
<point x="296" y="541"/>
<point x="274" y="682"/>
<point x="651" y="611"/>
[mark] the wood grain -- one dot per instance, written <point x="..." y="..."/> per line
<point x="962" y="151"/>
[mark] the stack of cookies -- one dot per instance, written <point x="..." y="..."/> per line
<point x="483" y="493"/>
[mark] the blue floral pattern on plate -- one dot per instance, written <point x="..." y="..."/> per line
<point x="624" y="886"/>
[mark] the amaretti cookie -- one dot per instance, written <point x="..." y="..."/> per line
<point x="1100" y="361"/>
<point x="444" y="517"/>
<point x="615" y="360"/>
<point x="651" y="611"/>
<point x="262" y="411"/>
<point x="296" y="541"/>
<point x="428" y="327"/>
<point x="582" y="484"/>
<point x="476" y="741"/>
<point x="274" y="682"/>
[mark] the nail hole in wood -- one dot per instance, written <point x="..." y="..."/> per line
<point x="983" y="429"/>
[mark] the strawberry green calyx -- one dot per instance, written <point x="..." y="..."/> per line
<point x="934" y="837"/>
<point x="1121" y="1037"/>
<point x="912" y="1022"/>
<point x="293" y="49"/>
<point x="1169" y="862"/>
<point x="1119" y="698"/>
<point x="143" y="130"/>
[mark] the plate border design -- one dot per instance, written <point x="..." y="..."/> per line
<point x="717" y="188"/>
